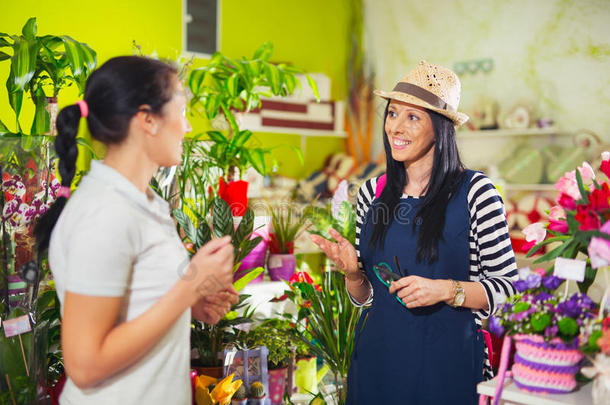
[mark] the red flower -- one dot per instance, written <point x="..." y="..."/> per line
<point x="558" y="226"/>
<point x="527" y="246"/>
<point x="600" y="199"/>
<point x="566" y="201"/>
<point x="306" y="304"/>
<point x="588" y="218"/>
<point x="605" y="168"/>
<point x="606" y="323"/>
<point x="300" y="277"/>
<point x="318" y="287"/>
<point x="279" y="299"/>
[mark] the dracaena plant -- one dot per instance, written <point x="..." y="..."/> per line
<point x="339" y="214"/>
<point x="50" y="62"/>
<point x="227" y="85"/>
<point x="222" y="224"/>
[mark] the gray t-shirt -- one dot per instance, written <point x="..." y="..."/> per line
<point x="112" y="240"/>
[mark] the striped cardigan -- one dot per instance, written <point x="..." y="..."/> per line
<point x="492" y="261"/>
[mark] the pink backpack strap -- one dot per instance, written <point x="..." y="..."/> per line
<point x="380" y="185"/>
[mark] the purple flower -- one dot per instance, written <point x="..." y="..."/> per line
<point x="520" y="285"/>
<point x="569" y="308"/>
<point x="533" y="280"/>
<point x="551" y="331"/>
<point x="495" y="326"/>
<point x="543" y="296"/>
<point x="14" y="186"/>
<point x="552" y="282"/>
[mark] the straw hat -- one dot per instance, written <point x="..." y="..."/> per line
<point x="430" y="86"/>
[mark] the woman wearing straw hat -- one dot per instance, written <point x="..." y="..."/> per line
<point x="441" y="229"/>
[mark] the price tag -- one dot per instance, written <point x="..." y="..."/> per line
<point x="17" y="326"/>
<point x="229" y="357"/>
<point x="570" y="269"/>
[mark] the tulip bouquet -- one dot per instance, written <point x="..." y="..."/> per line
<point x="579" y="223"/>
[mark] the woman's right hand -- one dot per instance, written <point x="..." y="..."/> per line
<point x="211" y="268"/>
<point x="341" y="252"/>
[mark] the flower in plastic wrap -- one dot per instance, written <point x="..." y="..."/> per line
<point x="599" y="249"/>
<point x="224" y="390"/>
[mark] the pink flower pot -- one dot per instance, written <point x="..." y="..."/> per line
<point x="277" y="384"/>
<point x="281" y="266"/>
<point x="256" y="258"/>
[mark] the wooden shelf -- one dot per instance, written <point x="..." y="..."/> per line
<point x="499" y="133"/>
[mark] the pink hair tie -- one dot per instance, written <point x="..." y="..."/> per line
<point x="64" y="191"/>
<point x="84" y="108"/>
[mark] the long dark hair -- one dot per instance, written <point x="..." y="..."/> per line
<point x="114" y="93"/>
<point x="447" y="171"/>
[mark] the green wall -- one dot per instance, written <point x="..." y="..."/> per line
<point x="111" y="26"/>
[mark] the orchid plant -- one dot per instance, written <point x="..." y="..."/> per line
<point x="20" y="210"/>
<point x="535" y="310"/>
<point x="579" y="223"/>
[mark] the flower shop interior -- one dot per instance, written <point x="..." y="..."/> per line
<point x="286" y="129"/>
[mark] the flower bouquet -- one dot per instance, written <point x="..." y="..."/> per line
<point x="546" y="329"/>
<point x="579" y="223"/>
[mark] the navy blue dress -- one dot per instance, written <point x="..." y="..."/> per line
<point x="427" y="355"/>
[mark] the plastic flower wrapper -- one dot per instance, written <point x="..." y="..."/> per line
<point x="536" y="310"/>
<point x="579" y="223"/>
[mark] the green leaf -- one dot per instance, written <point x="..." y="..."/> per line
<point x="232" y="85"/>
<point x="537" y="246"/>
<point x="212" y="105"/>
<point x="246" y="247"/>
<point x="273" y="77"/>
<point x="313" y="86"/>
<point x="568" y="327"/>
<point x="84" y="142"/>
<point x="249" y="276"/>
<point x="244" y="229"/>
<point x="264" y="52"/>
<point x="289" y="82"/>
<point x="187" y="226"/>
<point x="581" y="187"/>
<point x="23" y="65"/>
<point x="42" y="119"/>
<point x="4" y="56"/>
<point x="195" y="80"/>
<point x="30" y="29"/>
<point x="204" y="235"/>
<point x="241" y="138"/>
<point x="217" y="137"/>
<point x="4" y="43"/>
<point x="222" y="219"/>
<point x="3" y="129"/>
<point x="30" y="142"/>
<point x="256" y="157"/>
<point x="521" y="306"/>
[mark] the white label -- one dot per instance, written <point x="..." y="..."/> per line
<point x="275" y="261"/>
<point x="17" y="326"/>
<point x="570" y="269"/>
<point x="229" y="357"/>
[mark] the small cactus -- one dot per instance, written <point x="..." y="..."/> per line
<point x="257" y="390"/>
<point x="240" y="393"/>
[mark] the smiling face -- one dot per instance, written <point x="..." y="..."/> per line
<point x="410" y="132"/>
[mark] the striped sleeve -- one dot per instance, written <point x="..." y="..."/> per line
<point x="492" y="260"/>
<point x="366" y="194"/>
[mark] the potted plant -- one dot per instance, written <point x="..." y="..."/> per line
<point x="287" y="223"/>
<point x="257" y="393"/>
<point x="275" y="335"/>
<point x="240" y="397"/>
<point x="51" y="61"/>
<point x="546" y="331"/>
<point x="226" y="85"/>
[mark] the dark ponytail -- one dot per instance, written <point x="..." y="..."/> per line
<point x="114" y="94"/>
<point x="446" y="176"/>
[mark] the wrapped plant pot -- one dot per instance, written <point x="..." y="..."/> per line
<point x="545" y="367"/>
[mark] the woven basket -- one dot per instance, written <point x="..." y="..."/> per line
<point x="545" y="367"/>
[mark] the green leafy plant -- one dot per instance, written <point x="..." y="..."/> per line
<point x="287" y="223"/>
<point x="327" y="323"/>
<point x="276" y="336"/>
<point x="226" y="85"/>
<point x="43" y="61"/>
<point x="222" y="225"/>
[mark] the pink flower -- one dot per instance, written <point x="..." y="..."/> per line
<point x="10" y="208"/>
<point x="567" y="185"/>
<point x="558" y="226"/>
<point x="605" y="167"/>
<point x="566" y="201"/>
<point x="535" y="232"/>
<point x="556" y="213"/>
<point x="14" y="186"/>
<point x="540" y="271"/>
<point x="586" y="173"/>
<point x="599" y="249"/>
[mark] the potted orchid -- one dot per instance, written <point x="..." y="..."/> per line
<point x="546" y="331"/>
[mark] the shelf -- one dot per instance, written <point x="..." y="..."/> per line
<point x="529" y="187"/>
<point x="513" y="395"/>
<point x="499" y="133"/>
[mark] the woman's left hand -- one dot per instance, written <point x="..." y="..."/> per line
<point x="212" y="308"/>
<point x="417" y="291"/>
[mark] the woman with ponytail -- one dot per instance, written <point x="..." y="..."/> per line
<point x="123" y="277"/>
<point x="441" y="230"/>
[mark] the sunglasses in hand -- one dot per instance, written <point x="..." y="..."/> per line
<point x="385" y="274"/>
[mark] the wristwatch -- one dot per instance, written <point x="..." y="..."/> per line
<point x="459" y="295"/>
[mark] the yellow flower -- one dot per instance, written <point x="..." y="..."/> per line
<point x="202" y="394"/>
<point x="224" y="390"/>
